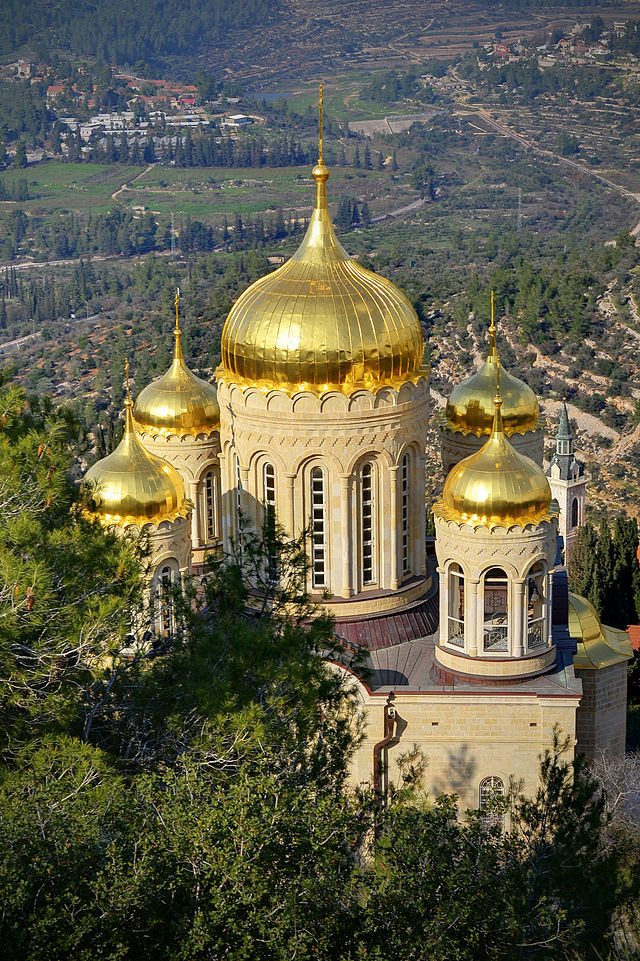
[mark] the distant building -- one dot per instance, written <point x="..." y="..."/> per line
<point x="236" y="120"/>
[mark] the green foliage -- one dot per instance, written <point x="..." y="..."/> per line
<point x="604" y="569"/>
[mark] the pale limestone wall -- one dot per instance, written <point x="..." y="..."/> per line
<point x="455" y="445"/>
<point x="465" y="738"/>
<point x="170" y="542"/>
<point x="338" y="433"/>
<point x="193" y="458"/>
<point x="516" y="551"/>
<point x="602" y="715"/>
<point x="564" y="492"/>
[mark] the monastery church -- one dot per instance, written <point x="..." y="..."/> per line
<point x="319" y="411"/>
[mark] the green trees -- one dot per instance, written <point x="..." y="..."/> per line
<point x="604" y="569"/>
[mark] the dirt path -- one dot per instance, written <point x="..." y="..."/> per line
<point x="116" y="193"/>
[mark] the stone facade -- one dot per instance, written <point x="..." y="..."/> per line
<point x="602" y="716"/>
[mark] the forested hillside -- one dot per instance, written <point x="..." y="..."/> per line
<point x="122" y="32"/>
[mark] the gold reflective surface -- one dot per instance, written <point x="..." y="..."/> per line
<point x="470" y="406"/>
<point x="178" y="402"/>
<point x="497" y="486"/>
<point x="598" y="645"/>
<point x="132" y="486"/>
<point x="321" y="321"/>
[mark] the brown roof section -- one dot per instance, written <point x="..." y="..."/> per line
<point x="391" y="628"/>
<point x="634" y="634"/>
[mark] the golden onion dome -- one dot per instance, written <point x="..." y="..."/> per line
<point x="178" y="403"/>
<point x="496" y="486"/>
<point x="133" y="486"/>
<point x="321" y="321"/>
<point x="470" y="407"/>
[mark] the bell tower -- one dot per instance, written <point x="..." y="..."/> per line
<point x="568" y="483"/>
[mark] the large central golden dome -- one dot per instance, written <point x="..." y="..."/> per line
<point x="470" y="406"/>
<point x="178" y="403"/>
<point x="496" y="486"/>
<point x="321" y="321"/>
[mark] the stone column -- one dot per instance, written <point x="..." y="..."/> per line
<point x="393" y="531"/>
<point x="518" y="619"/>
<point x="346" y="533"/>
<point x="444" y="606"/>
<point x="287" y="504"/>
<point x="195" y="515"/>
<point x="471" y="616"/>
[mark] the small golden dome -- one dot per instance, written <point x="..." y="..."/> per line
<point x="132" y="486"/>
<point x="178" y="403"/>
<point x="321" y="321"/>
<point x="470" y="406"/>
<point x="496" y="486"/>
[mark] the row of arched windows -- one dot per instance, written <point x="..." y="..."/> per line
<point x="368" y="506"/>
<point x="494" y="610"/>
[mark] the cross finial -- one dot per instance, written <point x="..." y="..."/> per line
<point x="126" y="376"/>
<point x="493" y="326"/>
<point x="177" y="303"/>
<point x="320" y="135"/>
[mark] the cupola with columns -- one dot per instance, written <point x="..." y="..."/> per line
<point x="496" y="532"/>
<point x="133" y="489"/>
<point x="178" y="418"/>
<point x="467" y="419"/>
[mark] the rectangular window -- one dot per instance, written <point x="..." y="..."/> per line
<point x="318" y="529"/>
<point x="405" y="515"/>
<point x="368" y="572"/>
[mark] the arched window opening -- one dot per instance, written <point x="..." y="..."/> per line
<point x="166" y="581"/>
<point x="536" y="606"/>
<point x="405" y="514"/>
<point x="269" y="532"/>
<point x="496" y="588"/>
<point x="491" y="801"/>
<point x="318" y="529"/>
<point x="210" y="514"/>
<point x="367" y="519"/>
<point x="455" y="623"/>
<point x="574" y="512"/>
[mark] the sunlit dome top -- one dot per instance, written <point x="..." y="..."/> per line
<point x="133" y="486"/>
<point x="496" y="486"/>
<point x="470" y="407"/>
<point x="178" y="403"/>
<point x="321" y="321"/>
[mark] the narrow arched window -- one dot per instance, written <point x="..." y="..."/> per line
<point x="491" y="800"/>
<point x="367" y="523"/>
<point x="455" y="624"/>
<point x="269" y="532"/>
<point x="574" y="512"/>
<point x="318" y="529"/>
<point x="496" y="587"/>
<point x="269" y="486"/>
<point x="166" y="580"/>
<point x="405" y="514"/>
<point x="210" y="513"/>
<point x="536" y="606"/>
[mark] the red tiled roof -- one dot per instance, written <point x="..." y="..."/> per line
<point x="634" y="634"/>
<point x="390" y="629"/>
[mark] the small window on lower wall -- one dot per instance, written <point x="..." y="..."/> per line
<point x="492" y="801"/>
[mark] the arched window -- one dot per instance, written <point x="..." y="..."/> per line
<point x="496" y="586"/>
<point x="367" y="507"/>
<point x="210" y="513"/>
<point x="404" y="468"/>
<point x="536" y="606"/>
<point x="269" y="486"/>
<point x="318" y="529"/>
<point x="491" y="793"/>
<point x="574" y="512"/>
<point x="455" y="622"/>
<point x="269" y="532"/>
<point x="164" y="593"/>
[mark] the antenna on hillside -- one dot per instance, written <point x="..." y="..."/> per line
<point x="519" y="209"/>
<point x="173" y="238"/>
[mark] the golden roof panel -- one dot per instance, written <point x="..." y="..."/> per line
<point x="321" y="321"/>
<point x="497" y="486"/>
<point x="178" y="403"/>
<point x="598" y="645"/>
<point x="133" y="486"/>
